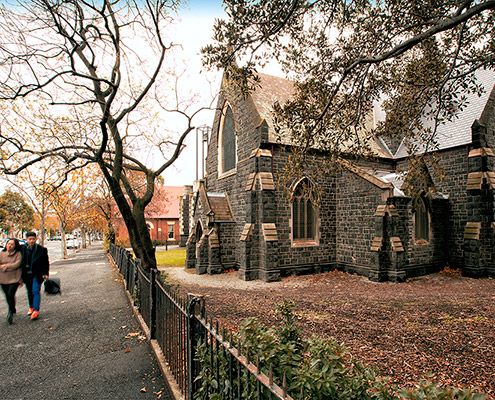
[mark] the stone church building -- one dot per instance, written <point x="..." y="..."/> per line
<point x="237" y="216"/>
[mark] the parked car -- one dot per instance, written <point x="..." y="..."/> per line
<point x="3" y="242"/>
<point x="72" y="243"/>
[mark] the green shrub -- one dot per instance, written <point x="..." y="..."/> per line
<point x="320" y="368"/>
<point x="428" y="390"/>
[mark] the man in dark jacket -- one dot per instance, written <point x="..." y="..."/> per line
<point x="34" y="271"/>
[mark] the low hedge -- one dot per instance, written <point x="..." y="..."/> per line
<point x="315" y="368"/>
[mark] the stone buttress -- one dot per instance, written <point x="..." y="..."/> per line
<point x="259" y="239"/>
<point x="479" y="250"/>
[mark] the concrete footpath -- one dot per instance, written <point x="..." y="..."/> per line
<point x="86" y="344"/>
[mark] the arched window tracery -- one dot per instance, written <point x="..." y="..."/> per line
<point x="227" y="141"/>
<point x="421" y="220"/>
<point x="304" y="213"/>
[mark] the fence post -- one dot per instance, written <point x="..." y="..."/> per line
<point x="128" y="269"/>
<point x="153" y="303"/>
<point x="135" y="275"/>
<point x="193" y="337"/>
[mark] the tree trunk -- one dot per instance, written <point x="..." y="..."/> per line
<point x="42" y="231"/>
<point x="63" y="242"/>
<point x="135" y="222"/>
<point x="146" y="251"/>
<point x="83" y="238"/>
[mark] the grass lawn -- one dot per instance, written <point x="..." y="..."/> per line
<point x="171" y="258"/>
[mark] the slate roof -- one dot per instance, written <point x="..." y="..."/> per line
<point x="273" y="89"/>
<point x="396" y="179"/>
<point x="458" y="131"/>
<point x="454" y="133"/>
<point x="451" y="134"/>
<point x="221" y="207"/>
<point x="216" y="205"/>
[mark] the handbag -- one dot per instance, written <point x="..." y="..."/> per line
<point x="52" y="286"/>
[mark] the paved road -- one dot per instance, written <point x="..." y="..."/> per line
<point x="86" y="344"/>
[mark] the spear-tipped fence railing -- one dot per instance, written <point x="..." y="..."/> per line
<point x="182" y="330"/>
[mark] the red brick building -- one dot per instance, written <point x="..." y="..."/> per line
<point x="162" y="216"/>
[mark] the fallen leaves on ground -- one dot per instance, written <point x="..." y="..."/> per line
<point x="443" y="324"/>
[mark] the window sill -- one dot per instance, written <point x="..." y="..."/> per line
<point x="305" y="243"/>
<point x="421" y="242"/>
<point x="228" y="173"/>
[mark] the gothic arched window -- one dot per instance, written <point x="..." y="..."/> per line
<point x="199" y="231"/>
<point x="304" y="213"/>
<point x="227" y="143"/>
<point x="421" y="220"/>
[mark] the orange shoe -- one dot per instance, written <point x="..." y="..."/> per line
<point x="35" y="315"/>
<point x="30" y="311"/>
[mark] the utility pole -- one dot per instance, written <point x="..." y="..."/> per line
<point x="205" y="133"/>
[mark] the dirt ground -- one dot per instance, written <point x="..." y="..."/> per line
<point x="442" y="324"/>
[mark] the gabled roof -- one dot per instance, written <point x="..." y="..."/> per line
<point x="216" y="205"/>
<point x="272" y="90"/>
<point x="394" y="179"/>
<point x="220" y="206"/>
<point x="454" y="133"/>
<point x="458" y="131"/>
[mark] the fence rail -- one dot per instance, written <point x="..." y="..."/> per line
<point x="171" y="332"/>
<point x="182" y="331"/>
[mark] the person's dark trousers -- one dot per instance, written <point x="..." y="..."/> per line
<point x="10" y="289"/>
<point x="33" y="291"/>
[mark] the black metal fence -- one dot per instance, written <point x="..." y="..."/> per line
<point x="203" y="361"/>
<point x="172" y="332"/>
<point x="143" y="295"/>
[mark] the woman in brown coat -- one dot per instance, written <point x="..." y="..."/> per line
<point x="10" y="273"/>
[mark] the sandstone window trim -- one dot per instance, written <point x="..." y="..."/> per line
<point x="421" y="222"/>
<point x="227" y="142"/>
<point x="304" y="219"/>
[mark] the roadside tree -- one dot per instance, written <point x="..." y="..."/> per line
<point x="89" y="217"/>
<point x="34" y="184"/>
<point x="70" y="203"/>
<point x="105" y="207"/>
<point x="15" y="214"/>
<point x="64" y="203"/>
<point x="95" y="69"/>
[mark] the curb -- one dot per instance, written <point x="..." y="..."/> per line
<point x="157" y="351"/>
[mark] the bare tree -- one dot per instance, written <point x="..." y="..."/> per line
<point x="98" y="63"/>
<point x="64" y="204"/>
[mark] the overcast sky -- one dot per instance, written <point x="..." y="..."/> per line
<point x="193" y="32"/>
